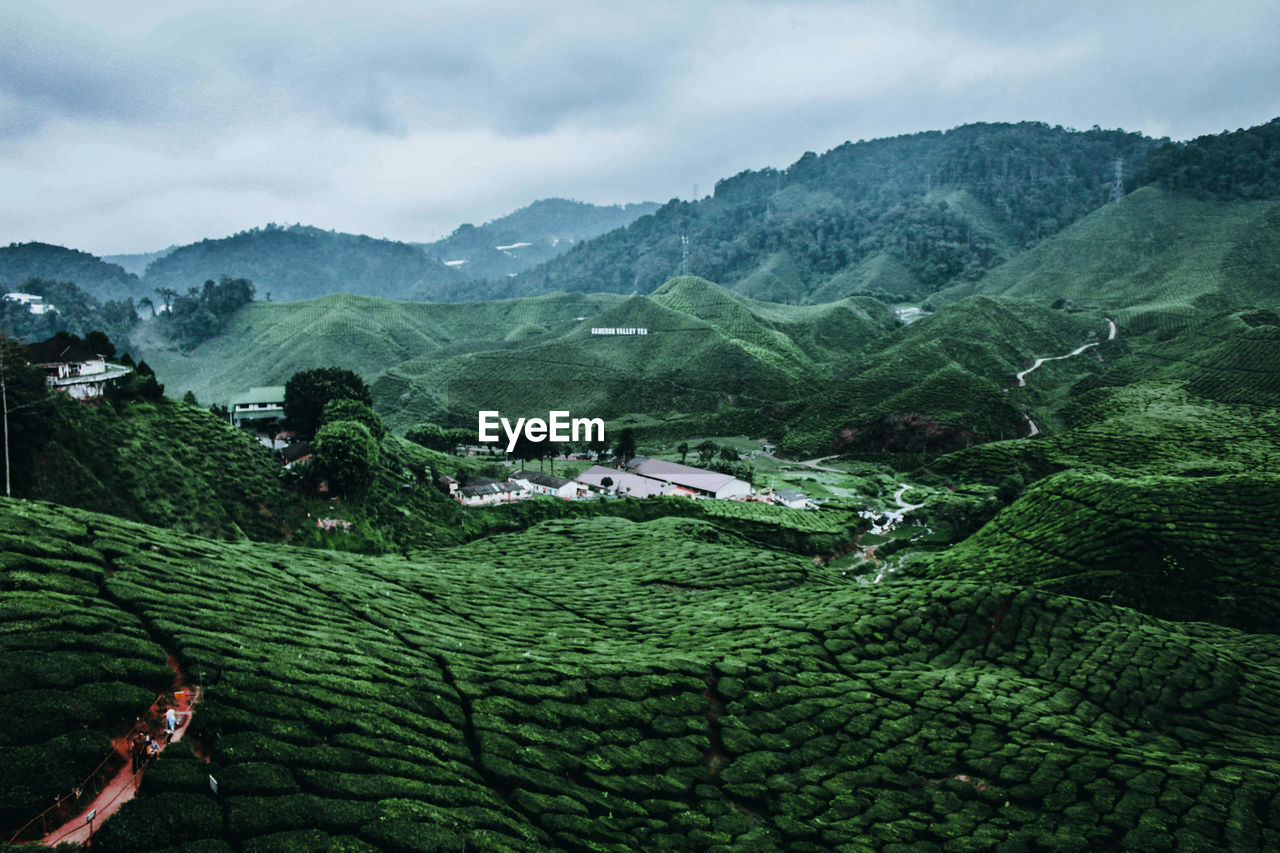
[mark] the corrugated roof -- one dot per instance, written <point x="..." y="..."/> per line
<point x="263" y="394"/>
<point x="683" y="475"/>
<point x="542" y="479"/>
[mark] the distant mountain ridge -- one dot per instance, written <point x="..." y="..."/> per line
<point x="530" y="235"/>
<point x="898" y="218"/>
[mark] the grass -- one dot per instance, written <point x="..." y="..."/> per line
<point x="605" y="683"/>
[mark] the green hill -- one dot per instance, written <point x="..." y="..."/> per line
<point x="509" y="695"/>
<point x="1186" y="548"/>
<point x="102" y="280"/>
<point x="301" y="262"/>
<point x="267" y="342"/>
<point x="525" y="237"/>
<point x="939" y="383"/>
<point x="1157" y="260"/>
<point x="706" y="350"/>
<point x="944" y="207"/>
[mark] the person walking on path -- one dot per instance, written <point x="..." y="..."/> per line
<point x="170" y="722"/>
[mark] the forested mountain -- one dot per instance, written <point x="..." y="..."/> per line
<point x="301" y="262"/>
<point x="1240" y="164"/>
<point x="898" y="218"/>
<point x="137" y="263"/>
<point x="530" y="235"/>
<point x="21" y="261"/>
<point x="67" y="308"/>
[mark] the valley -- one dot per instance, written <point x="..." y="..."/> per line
<point x="1032" y="604"/>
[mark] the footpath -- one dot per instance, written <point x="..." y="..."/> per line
<point x="116" y="774"/>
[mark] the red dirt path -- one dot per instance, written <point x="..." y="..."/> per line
<point x="124" y="784"/>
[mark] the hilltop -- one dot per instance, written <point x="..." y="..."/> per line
<point x="897" y="218"/>
<point x="525" y="237"/>
<point x="22" y="261"/>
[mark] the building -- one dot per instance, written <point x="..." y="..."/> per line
<point x="790" y="498"/>
<point x="539" y="483"/>
<point x="708" y="484"/>
<point x="257" y="404"/>
<point x="483" y="491"/>
<point x="628" y="484"/>
<point x="73" y="368"/>
<point x="35" y="304"/>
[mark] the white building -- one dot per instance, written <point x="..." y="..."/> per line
<point x="257" y="404"/>
<point x="73" y="369"/>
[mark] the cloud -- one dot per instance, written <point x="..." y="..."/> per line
<point x="161" y="123"/>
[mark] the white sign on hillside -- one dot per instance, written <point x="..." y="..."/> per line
<point x="611" y="330"/>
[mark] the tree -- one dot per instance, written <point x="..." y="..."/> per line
<point x="430" y="436"/>
<point x="190" y="397"/>
<point x="707" y="451"/>
<point x="307" y="391"/>
<point x="352" y="410"/>
<point x="24" y="404"/>
<point x="683" y="448"/>
<point x="626" y="448"/>
<point x="347" y="454"/>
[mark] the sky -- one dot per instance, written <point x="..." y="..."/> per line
<point x="133" y="126"/>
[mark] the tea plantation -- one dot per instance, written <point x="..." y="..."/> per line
<point x="608" y="684"/>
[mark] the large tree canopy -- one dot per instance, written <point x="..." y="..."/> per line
<point x="307" y="392"/>
<point x="346" y="453"/>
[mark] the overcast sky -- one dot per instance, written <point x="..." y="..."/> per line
<point x="128" y="127"/>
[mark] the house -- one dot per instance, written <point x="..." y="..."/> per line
<point x="709" y="484"/>
<point x="73" y="368"/>
<point x="35" y="304"/>
<point x="539" y="483"/>
<point x="265" y="403"/>
<point x="481" y="490"/>
<point x="628" y="484"/>
<point x="790" y="498"/>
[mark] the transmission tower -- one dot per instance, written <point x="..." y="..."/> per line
<point x="1117" y="183"/>
<point x="684" y="254"/>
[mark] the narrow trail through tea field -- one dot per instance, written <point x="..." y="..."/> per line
<point x="124" y="783"/>
<point x="1022" y="377"/>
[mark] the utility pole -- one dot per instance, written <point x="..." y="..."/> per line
<point x="4" y="404"/>
<point x="1117" y="183"/>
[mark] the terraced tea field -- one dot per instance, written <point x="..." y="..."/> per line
<point x="604" y="684"/>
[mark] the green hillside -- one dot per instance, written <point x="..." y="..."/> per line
<point x="509" y="695"/>
<point x="525" y="237"/>
<point x="944" y="207"/>
<point x="940" y="383"/>
<point x="1156" y="259"/>
<point x="301" y="262"/>
<point x="266" y="343"/>
<point x="706" y="350"/>
<point x="102" y="280"/>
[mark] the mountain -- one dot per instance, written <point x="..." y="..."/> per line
<point x="137" y="263"/>
<point x="301" y="262"/>
<point x="267" y="342"/>
<point x="1157" y="260"/>
<point x="528" y="236"/>
<point x="706" y="350"/>
<point x="103" y="280"/>
<point x="935" y="208"/>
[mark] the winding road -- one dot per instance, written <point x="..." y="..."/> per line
<point x="1022" y="377"/>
